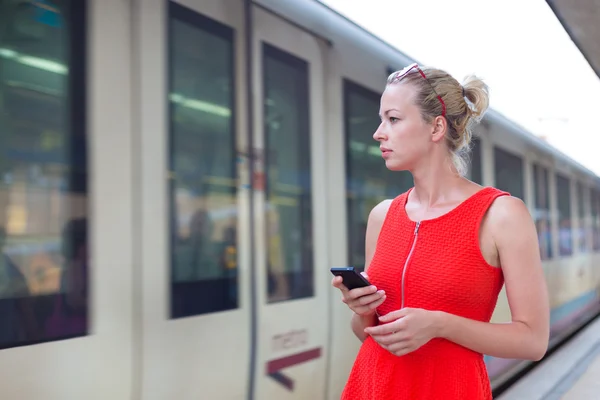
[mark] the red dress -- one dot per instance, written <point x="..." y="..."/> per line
<point x="445" y="271"/>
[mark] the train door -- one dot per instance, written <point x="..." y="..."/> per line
<point x="291" y="232"/>
<point x="65" y="267"/>
<point x="194" y="216"/>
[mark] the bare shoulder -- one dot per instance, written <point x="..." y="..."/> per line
<point x="378" y="214"/>
<point x="374" y="224"/>
<point x="514" y="233"/>
<point x="508" y="216"/>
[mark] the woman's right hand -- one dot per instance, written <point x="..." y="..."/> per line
<point x="363" y="301"/>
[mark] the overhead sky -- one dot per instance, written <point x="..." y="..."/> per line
<point x="537" y="76"/>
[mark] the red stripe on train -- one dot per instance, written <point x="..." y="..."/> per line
<point x="285" y="362"/>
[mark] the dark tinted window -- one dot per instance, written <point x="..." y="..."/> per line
<point x="595" y="207"/>
<point x="202" y="161"/>
<point x="542" y="210"/>
<point x="288" y="191"/>
<point x="582" y="231"/>
<point x="43" y="173"/>
<point x="508" y="169"/>
<point x="368" y="180"/>
<point x="476" y="172"/>
<point x="565" y="237"/>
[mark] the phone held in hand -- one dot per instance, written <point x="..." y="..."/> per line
<point x="352" y="279"/>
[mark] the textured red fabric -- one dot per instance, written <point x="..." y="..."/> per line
<point x="446" y="272"/>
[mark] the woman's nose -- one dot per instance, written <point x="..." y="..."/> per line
<point x="378" y="135"/>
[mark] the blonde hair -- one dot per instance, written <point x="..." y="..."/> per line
<point x="465" y="106"/>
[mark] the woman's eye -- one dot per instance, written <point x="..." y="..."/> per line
<point x="393" y="119"/>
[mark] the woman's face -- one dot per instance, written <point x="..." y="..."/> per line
<point x="404" y="137"/>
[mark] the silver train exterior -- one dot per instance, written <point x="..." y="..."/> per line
<point x="180" y="176"/>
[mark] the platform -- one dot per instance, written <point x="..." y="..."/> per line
<point x="572" y="372"/>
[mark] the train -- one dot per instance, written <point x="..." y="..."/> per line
<point x="178" y="177"/>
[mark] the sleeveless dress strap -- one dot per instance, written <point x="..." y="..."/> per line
<point x="484" y="199"/>
<point x="478" y="208"/>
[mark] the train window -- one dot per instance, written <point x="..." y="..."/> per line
<point x="476" y="172"/>
<point x="43" y="173"/>
<point x="508" y="169"/>
<point x="542" y="210"/>
<point x="288" y="183"/>
<point x="565" y="238"/>
<point x="202" y="158"/>
<point x="581" y="231"/>
<point x="595" y="207"/>
<point x="368" y="181"/>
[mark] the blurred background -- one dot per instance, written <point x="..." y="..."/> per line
<point x="177" y="178"/>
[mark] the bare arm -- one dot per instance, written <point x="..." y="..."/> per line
<point x="526" y="336"/>
<point x="374" y="224"/>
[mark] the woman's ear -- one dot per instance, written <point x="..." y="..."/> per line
<point x="440" y="126"/>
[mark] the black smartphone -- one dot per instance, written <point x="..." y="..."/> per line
<point x="351" y="277"/>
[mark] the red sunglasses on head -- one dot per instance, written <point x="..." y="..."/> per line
<point x="401" y="74"/>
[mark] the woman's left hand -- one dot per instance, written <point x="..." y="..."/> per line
<point x="404" y="331"/>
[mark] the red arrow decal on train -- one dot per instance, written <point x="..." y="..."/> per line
<point x="274" y="367"/>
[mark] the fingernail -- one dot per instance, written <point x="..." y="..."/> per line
<point x="381" y="292"/>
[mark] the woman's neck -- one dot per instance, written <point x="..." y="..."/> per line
<point x="436" y="183"/>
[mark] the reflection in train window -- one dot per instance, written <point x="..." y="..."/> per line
<point x="476" y="174"/>
<point x="288" y="182"/>
<point x="565" y="238"/>
<point x="595" y="207"/>
<point x="581" y="231"/>
<point x="43" y="173"/>
<point x="202" y="160"/>
<point x="508" y="170"/>
<point x="368" y="181"/>
<point x="542" y="215"/>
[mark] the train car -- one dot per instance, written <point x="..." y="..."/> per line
<point x="179" y="176"/>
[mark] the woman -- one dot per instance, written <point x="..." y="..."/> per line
<point x="438" y="255"/>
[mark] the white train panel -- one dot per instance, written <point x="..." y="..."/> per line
<point x="183" y="353"/>
<point x="295" y="152"/>
<point x="75" y="334"/>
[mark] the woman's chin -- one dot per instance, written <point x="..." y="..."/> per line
<point x="394" y="165"/>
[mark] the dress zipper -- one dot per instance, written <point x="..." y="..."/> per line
<point x="408" y="259"/>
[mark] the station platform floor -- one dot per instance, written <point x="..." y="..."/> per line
<point x="570" y="373"/>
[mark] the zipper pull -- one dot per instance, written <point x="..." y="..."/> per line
<point x="417" y="227"/>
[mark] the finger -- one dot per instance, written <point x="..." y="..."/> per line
<point x="377" y="303"/>
<point x="368" y="299"/>
<point x="397" y="338"/>
<point x="388" y="340"/>
<point x="365" y="275"/>
<point x="391" y="342"/>
<point x="400" y="349"/>
<point x="360" y="292"/>
<point x="360" y="309"/>
<point x="385" y="329"/>
<point x="379" y="330"/>
<point x="394" y="315"/>
<point x="337" y="282"/>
